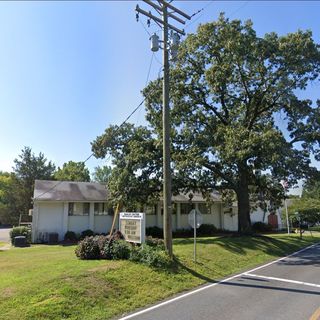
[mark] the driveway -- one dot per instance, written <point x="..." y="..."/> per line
<point x="4" y="235"/>
<point x="288" y="288"/>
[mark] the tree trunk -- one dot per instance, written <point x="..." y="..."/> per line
<point x="244" y="221"/>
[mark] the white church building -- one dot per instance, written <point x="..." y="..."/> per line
<point x="61" y="206"/>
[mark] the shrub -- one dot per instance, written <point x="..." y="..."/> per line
<point x="151" y="257"/>
<point x="88" y="248"/>
<point x="261" y="227"/>
<point x="87" y="233"/>
<point x="155" y="232"/>
<point x="20" y="231"/>
<point x="182" y="233"/>
<point x="121" y="249"/>
<point x="155" y="242"/>
<point x="206" y="230"/>
<point x="70" y="236"/>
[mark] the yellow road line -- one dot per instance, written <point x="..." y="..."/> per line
<point x="316" y="315"/>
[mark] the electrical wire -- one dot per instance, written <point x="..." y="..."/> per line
<point x="197" y="12"/>
<point x="144" y="27"/>
<point x="123" y="122"/>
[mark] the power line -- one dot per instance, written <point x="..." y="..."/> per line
<point x="197" y="12"/>
<point x="123" y="122"/>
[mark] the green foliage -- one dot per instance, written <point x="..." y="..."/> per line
<point x="102" y="247"/>
<point x="155" y="242"/>
<point x="154" y="231"/>
<point x="261" y="227"/>
<point x="308" y="210"/>
<point x="226" y="88"/>
<point x="70" y="236"/>
<point x="121" y="250"/>
<point x="28" y="168"/>
<point x="311" y="189"/>
<point x="20" y="231"/>
<point x="102" y="174"/>
<point x="73" y="171"/>
<point x="207" y="230"/>
<point x="88" y="249"/>
<point x="151" y="256"/>
<point x="86" y="233"/>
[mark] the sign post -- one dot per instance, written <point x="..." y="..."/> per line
<point x="195" y="221"/>
<point x="132" y="226"/>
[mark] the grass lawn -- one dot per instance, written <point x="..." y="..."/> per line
<point x="49" y="282"/>
<point x="2" y="244"/>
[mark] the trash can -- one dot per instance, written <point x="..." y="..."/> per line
<point x="20" y="241"/>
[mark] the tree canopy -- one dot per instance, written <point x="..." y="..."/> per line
<point x="73" y="171"/>
<point x="28" y="168"/>
<point x="102" y="174"/>
<point x="228" y="90"/>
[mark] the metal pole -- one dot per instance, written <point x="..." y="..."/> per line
<point x="167" y="230"/>
<point x="195" y="236"/>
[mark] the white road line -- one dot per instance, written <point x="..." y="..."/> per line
<point x="161" y="304"/>
<point x="283" y="280"/>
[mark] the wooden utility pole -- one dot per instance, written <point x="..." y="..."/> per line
<point x="162" y="8"/>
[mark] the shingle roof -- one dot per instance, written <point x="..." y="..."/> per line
<point x="69" y="191"/>
<point x="47" y="190"/>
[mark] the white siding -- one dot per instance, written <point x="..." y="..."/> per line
<point x="151" y="220"/>
<point x="50" y="219"/>
<point x="230" y="222"/>
<point x="257" y="215"/>
<point x="78" y="223"/>
<point x="102" y="224"/>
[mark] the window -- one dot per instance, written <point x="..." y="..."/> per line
<point x="102" y="209"/>
<point x="86" y="208"/>
<point x="79" y="209"/>
<point x="204" y="208"/>
<point x="71" y="208"/>
<point x="186" y="208"/>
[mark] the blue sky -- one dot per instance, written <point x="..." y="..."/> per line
<point x="70" y="69"/>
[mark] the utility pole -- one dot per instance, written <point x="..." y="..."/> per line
<point x="162" y="8"/>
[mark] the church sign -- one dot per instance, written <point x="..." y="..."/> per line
<point x="132" y="226"/>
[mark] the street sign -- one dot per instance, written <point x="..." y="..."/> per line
<point x="195" y="221"/>
<point x="195" y="218"/>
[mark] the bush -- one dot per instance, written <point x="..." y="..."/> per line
<point x="87" y="233"/>
<point x="151" y="257"/>
<point x="207" y="230"/>
<point x="70" y="236"/>
<point x="261" y="227"/>
<point x="155" y="242"/>
<point x="182" y="233"/>
<point x="121" y="249"/>
<point x="88" y="249"/>
<point x="20" y="231"/>
<point x="154" y="232"/>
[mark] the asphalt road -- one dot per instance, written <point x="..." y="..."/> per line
<point x="286" y="289"/>
<point x="4" y="235"/>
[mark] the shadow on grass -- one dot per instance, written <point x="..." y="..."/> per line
<point x="240" y="244"/>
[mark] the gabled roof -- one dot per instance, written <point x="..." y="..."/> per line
<point x="47" y="190"/>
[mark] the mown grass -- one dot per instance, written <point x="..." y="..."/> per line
<point x="49" y="282"/>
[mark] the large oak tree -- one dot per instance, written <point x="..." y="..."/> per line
<point x="228" y="90"/>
